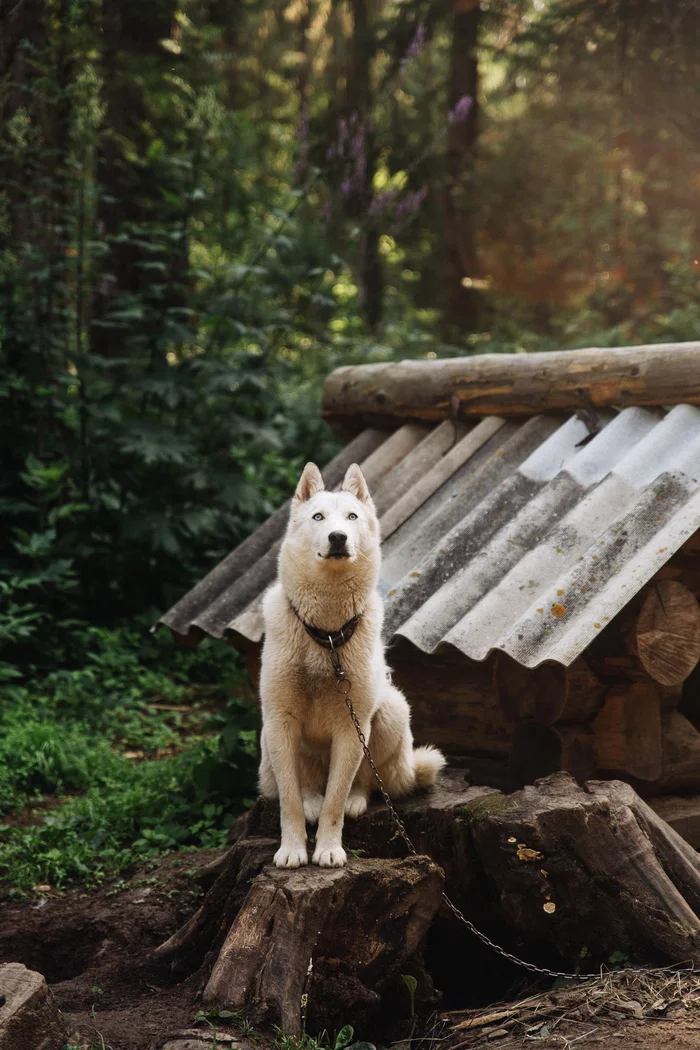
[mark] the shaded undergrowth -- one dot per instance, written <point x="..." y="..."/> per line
<point x="140" y="749"/>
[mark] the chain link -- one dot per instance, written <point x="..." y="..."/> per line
<point x="344" y="687"/>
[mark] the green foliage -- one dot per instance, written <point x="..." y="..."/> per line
<point x="343" y="1040"/>
<point x="124" y="779"/>
<point x="411" y="983"/>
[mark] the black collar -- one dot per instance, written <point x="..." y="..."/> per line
<point x="330" y="639"/>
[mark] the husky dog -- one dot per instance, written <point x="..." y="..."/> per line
<point x="311" y="758"/>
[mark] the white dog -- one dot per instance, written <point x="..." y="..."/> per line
<point x="311" y="756"/>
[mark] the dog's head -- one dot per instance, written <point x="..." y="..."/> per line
<point x="333" y="529"/>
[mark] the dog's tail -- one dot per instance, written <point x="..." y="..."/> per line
<point x="427" y="763"/>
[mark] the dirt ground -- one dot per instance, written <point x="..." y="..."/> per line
<point x="90" y="945"/>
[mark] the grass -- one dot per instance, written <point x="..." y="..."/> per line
<point x="140" y="749"/>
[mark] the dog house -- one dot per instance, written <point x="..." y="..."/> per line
<point x="540" y="518"/>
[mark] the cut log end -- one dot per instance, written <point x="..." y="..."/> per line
<point x="668" y="632"/>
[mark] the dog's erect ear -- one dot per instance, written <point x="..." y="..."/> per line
<point x="310" y="483"/>
<point x="354" y="482"/>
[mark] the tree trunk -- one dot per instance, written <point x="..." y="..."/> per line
<point x="364" y="158"/>
<point x="135" y="62"/>
<point x="461" y="302"/>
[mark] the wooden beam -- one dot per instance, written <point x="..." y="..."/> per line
<point x="514" y="384"/>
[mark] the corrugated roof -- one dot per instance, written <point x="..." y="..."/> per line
<point x="519" y="537"/>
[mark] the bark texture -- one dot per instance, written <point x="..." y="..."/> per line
<point x="29" y="1019"/>
<point x="546" y="872"/>
<point x="514" y="384"/>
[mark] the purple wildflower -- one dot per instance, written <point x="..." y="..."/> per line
<point x="357" y="144"/>
<point x="346" y="187"/>
<point x="409" y="206"/>
<point x="415" y="48"/>
<point x="461" y="110"/>
<point x="381" y="201"/>
<point x="331" y="151"/>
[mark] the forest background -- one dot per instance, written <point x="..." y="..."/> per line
<point x="205" y="206"/>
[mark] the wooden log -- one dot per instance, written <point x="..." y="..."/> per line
<point x="431" y="819"/>
<point x="584" y="694"/>
<point x="578" y="755"/>
<point x="515" y="384"/>
<point x="549" y="694"/>
<point x="539" y="694"/>
<point x="201" y="936"/>
<point x="668" y="632"/>
<point x="570" y="867"/>
<point x="680" y="755"/>
<point x="453" y="702"/>
<point x="628" y="731"/>
<point x="691" y="546"/>
<point x="538" y="750"/>
<point x="676" y="856"/>
<point x="343" y="937"/>
<point x="682" y="813"/>
<point x="535" y="752"/>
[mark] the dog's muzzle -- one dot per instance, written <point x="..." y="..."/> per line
<point x="338" y="545"/>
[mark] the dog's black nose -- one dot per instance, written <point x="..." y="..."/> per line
<point x="337" y="540"/>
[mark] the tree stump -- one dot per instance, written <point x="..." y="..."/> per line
<point x="336" y="936"/>
<point x="29" y="1019"/>
<point x="548" y="871"/>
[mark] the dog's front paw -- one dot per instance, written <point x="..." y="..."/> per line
<point x="329" y="857"/>
<point x="356" y="805"/>
<point x="291" y="857"/>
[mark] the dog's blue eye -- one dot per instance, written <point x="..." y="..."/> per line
<point x="318" y="517"/>
<point x="352" y="517"/>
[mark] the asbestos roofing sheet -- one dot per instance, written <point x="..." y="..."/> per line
<point x="540" y="564"/>
<point x="525" y="537"/>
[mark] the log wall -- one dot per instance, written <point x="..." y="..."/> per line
<point x="628" y="708"/>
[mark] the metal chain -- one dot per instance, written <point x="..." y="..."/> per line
<point x="344" y="686"/>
